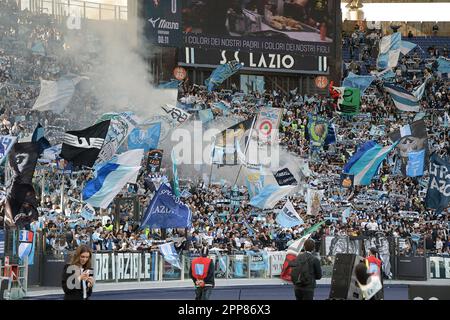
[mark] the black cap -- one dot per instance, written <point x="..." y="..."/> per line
<point x="373" y="250"/>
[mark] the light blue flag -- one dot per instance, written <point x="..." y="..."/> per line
<point x="222" y="262"/>
<point x="205" y="115"/>
<point x="389" y="53"/>
<point x="270" y="195"/>
<point x="288" y="217"/>
<point x="38" y="49"/>
<point x="173" y="84"/>
<point x="419" y="91"/>
<point x="407" y="46"/>
<point x="415" y="165"/>
<point x="221" y="73"/>
<point x="222" y="106"/>
<point x="170" y="255"/>
<point x="443" y="65"/>
<point x="356" y="81"/>
<point x="361" y="150"/>
<point x="145" y="139"/>
<point x="367" y="166"/>
<point x="403" y="100"/>
<point x="88" y="213"/>
<point x="111" y="177"/>
<point x="346" y="214"/>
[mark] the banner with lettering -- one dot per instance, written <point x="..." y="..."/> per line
<point x="154" y="160"/>
<point x="438" y="194"/>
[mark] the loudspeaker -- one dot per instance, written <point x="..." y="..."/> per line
<point x="343" y="281"/>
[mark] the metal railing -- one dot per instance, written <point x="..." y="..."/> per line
<point x="81" y="9"/>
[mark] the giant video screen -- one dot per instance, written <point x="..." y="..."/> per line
<point x="283" y="26"/>
<point x="302" y="27"/>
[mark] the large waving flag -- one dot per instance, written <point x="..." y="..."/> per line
<point x="111" y="177"/>
<point x="166" y="211"/>
<point x="361" y="150"/>
<point x="288" y="217"/>
<point x="145" y="139"/>
<point x="170" y="255"/>
<point x="270" y="195"/>
<point x="367" y="165"/>
<point x="221" y="73"/>
<point x="356" y="81"/>
<point x="443" y="65"/>
<point x="403" y="100"/>
<point x="295" y="248"/>
<point x="389" y="53"/>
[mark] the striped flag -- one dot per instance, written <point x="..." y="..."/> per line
<point x="170" y="255"/>
<point x="403" y="100"/>
<point x="111" y="177"/>
<point x="367" y="165"/>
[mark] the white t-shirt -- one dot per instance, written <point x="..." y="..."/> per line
<point x="372" y="226"/>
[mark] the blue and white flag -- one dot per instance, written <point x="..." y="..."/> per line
<point x="185" y="194"/>
<point x="443" y="65"/>
<point x="166" y="211"/>
<point x="2" y="242"/>
<point x="112" y="177"/>
<point x="206" y="115"/>
<point x="88" y="212"/>
<point x="361" y="150"/>
<point x="170" y="254"/>
<point x="221" y="73"/>
<point x="356" y="81"/>
<point x="270" y="195"/>
<point x="385" y="74"/>
<point x="419" y="91"/>
<point x="407" y="46"/>
<point x="403" y="100"/>
<point x="415" y="165"/>
<point x="346" y="214"/>
<point x="389" y="53"/>
<point x="6" y="143"/>
<point x="367" y="166"/>
<point x="288" y="217"/>
<point x="145" y="139"/>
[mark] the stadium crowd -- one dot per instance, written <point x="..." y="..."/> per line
<point x="32" y="48"/>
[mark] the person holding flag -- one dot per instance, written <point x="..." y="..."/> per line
<point x="306" y="270"/>
<point x="202" y="273"/>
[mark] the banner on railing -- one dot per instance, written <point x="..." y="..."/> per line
<point x="276" y="262"/>
<point x="126" y="266"/>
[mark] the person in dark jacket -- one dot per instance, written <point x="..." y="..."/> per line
<point x="77" y="278"/>
<point x="304" y="289"/>
<point x="202" y="273"/>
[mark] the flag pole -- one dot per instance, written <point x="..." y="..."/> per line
<point x="246" y="148"/>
